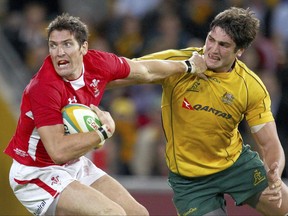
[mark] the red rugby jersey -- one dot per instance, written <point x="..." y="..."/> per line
<point x="47" y="93"/>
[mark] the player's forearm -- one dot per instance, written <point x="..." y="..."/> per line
<point x="63" y="148"/>
<point x="73" y="146"/>
<point x="274" y="154"/>
<point x="166" y="68"/>
<point x="151" y="71"/>
<point x="158" y="69"/>
<point x="271" y="149"/>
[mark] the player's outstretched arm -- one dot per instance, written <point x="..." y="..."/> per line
<point x="153" y="71"/>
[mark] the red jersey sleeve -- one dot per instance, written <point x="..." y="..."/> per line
<point x="112" y="67"/>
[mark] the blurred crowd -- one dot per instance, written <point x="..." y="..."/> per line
<point x="133" y="28"/>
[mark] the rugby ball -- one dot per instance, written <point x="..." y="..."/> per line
<point x="79" y="118"/>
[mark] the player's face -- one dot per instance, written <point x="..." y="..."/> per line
<point x="219" y="50"/>
<point x="66" y="54"/>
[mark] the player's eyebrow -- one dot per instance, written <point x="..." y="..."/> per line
<point x="222" y="43"/>
<point x="64" y="41"/>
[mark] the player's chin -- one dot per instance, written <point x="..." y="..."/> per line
<point x="213" y="66"/>
<point x="60" y="71"/>
<point x="64" y="73"/>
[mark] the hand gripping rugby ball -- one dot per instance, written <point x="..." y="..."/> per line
<point x="79" y="118"/>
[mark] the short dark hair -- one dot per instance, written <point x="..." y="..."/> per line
<point x="72" y="24"/>
<point x="240" y="24"/>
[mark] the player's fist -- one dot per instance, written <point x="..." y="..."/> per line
<point x="196" y="65"/>
<point x="108" y="125"/>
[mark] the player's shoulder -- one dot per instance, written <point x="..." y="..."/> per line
<point x="101" y="57"/>
<point x="244" y="71"/>
<point x="93" y="54"/>
<point x="250" y="77"/>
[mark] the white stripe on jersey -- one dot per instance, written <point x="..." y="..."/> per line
<point x="32" y="144"/>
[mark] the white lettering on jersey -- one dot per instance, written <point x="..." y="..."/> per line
<point x="20" y="152"/>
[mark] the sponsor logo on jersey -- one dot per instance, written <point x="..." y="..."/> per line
<point x="186" y="104"/>
<point x="20" y="152"/>
<point x="205" y="108"/>
<point x="258" y="177"/>
<point x="227" y="98"/>
<point x="40" y="208"/>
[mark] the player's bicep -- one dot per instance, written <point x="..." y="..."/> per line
<point x="138" y="71"/>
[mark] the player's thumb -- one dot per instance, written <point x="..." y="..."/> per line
<point x="273" y="171"/>
<point x="195" y="53"/>
<point x="95" y="109"/>
<point x="274" y="166"/>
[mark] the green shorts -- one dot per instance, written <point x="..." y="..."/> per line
<point x="197" y="196"/>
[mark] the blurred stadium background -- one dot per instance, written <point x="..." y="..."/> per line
<point x="132" y="28"/>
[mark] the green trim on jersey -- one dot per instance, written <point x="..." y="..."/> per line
<point x="201" y="118"/>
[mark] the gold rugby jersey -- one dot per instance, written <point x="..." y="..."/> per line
<point x="201" y="118"/>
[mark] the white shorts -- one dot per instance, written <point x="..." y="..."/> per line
<point x="37" y="188"/>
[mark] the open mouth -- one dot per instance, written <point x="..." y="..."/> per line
<point x="62" y="63"/>
<point x="215" y="58"/>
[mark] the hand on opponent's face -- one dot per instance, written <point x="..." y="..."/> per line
<point x="198" y="65"/>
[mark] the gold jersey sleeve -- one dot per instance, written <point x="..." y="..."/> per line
<point x="201" y="118"/>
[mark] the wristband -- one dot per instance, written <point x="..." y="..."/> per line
<point x="103" y="132"/>
<point x="189" y="66"/>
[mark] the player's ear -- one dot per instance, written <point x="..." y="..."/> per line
<point x="240" y="52"/>
<point x="84" y="48"/>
